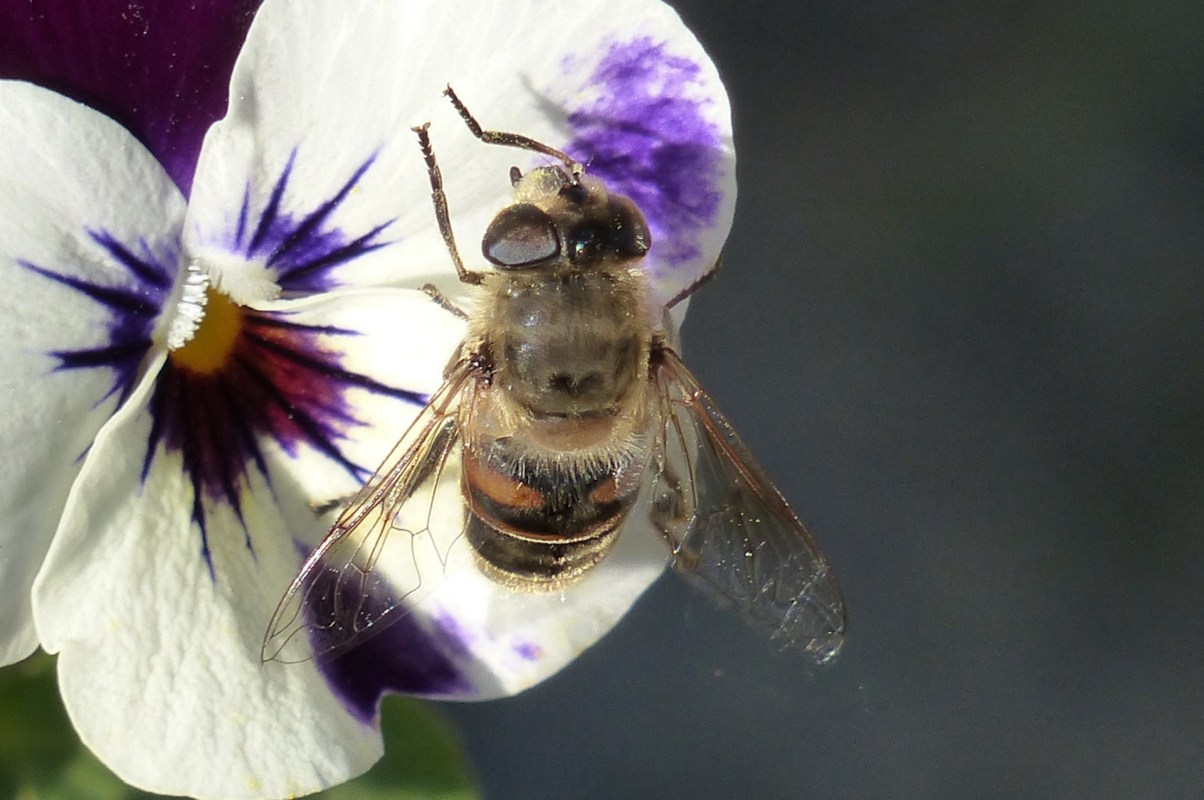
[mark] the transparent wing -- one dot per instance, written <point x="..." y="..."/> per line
<point x="389" y="547"/>
<point x="730" y="531"/>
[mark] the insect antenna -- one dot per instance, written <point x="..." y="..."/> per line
<point x="574" y="166"/>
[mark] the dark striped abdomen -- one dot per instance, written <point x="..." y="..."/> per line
<point x="537" y="522"/>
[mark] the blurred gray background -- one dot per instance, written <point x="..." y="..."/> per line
<point x="960" y="321"/>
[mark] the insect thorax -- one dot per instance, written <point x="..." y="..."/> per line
<point x="572" y="344"/>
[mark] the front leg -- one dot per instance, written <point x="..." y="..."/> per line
<point x="439" y="198"/>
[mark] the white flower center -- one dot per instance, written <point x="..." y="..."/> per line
<point x="190" y="308"/>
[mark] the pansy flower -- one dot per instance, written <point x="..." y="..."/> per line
<point x="198" y="354"/>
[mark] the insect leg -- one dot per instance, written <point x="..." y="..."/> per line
<point x="322" y="507"/>
<point x="432" y="291"/>
<point x="512" y="139"/>
<point x="670" y="508"/>
<point x="689" y="290"/>
<point x="440" y="201"/>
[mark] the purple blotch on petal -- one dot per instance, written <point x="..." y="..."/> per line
<point x="160" y="69"/>
<point x="405" y="657"/>
<point x="528" y="650"/>
<point x="648" y="138"/>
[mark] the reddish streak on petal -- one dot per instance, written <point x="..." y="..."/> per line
<point x="161" y="69"/>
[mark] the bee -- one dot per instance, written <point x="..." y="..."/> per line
<point x="566" y="420"/>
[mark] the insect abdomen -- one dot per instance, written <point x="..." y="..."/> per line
<point x="535" y="523"/>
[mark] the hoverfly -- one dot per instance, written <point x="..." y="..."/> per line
<point x="566" y="418"/>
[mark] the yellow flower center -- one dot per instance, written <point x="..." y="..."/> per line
<point x="210" y="347"/>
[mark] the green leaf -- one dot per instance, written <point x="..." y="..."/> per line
<point x="41" y="757"/>
<point x="423" y="759"/>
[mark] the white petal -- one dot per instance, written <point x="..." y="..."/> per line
<point x="325" y="91"/>
<point x="78" y="313"/>
<point x="159" y="662"/>
<point x="319" y="120"/>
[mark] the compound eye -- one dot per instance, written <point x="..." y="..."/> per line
<point x="628" y="230"/>
<point x="521" y="235"/>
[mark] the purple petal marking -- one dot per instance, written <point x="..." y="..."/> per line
<point x="160" y="69"/>
<point x="281" y="381"/>
<point x="405" y="658"/>
<point x="528" y="650"/>
<point x="303" y="251"/>
<point x="648" y="139"/>
<point x="146" y="268"/>
<point x="133" y="308"/>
